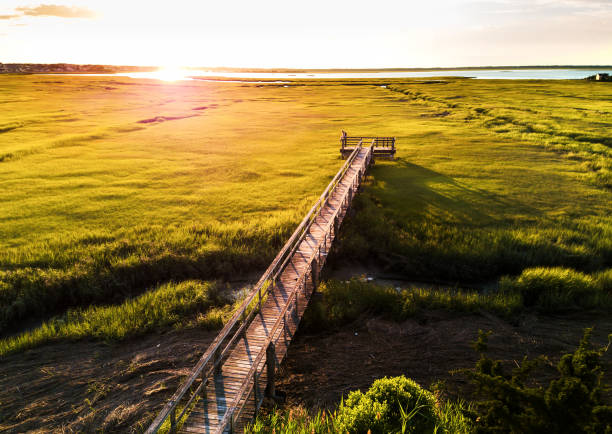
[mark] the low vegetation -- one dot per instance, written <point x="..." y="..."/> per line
<point x="344" y="302"/>
<point x="547" y="290"/>
<point x="391" y="405"/>
<point x="560" y="288"/>
<point x="505" y="401"/>
<point x="572" y="402"/>
<point x="190" y="303"/>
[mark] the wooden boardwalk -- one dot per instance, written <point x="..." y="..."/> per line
<point x="228" y="384"/>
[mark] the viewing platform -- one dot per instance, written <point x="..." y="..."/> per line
<point x="381" y="146"/>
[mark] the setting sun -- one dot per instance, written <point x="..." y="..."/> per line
<point x="169" y="73"/>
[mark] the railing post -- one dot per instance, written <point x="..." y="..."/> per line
<point x="203" y="375"/>
<point x="173" y="420"/>
<point x="256" y="391"/>
<point x="259" y="301"/>
<point x="271" y="367"/>
<point x="315" y="273"/>
<point x="216" y="360"/>
<point x="336" y="226"/>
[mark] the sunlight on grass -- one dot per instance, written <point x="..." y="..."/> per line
<point x="110" y="186"/>
<point x="168" y="305"/>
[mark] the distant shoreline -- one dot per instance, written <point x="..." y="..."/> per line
<point x="24" y="68"/>
<point x="357" y="70"/>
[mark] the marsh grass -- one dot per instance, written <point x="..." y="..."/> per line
<point x="545" y="289"/>
<point x="467" y="252"/>
<point x="96" y="208"/>
<point x="345" y="302"/>
<point x="97" y="268"/>
<point x="189" y="303"/>
<point x="555" y="289"/>
<point x="495" y="178"/>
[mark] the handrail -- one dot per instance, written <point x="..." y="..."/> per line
<point x="379" y="142"/>
<point x="215" y="353"/>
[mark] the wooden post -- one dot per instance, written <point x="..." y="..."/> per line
<point x="256" y="391"/>
<point x="336" y="225"/>
<point x="216" y="360"/>
<point x="203" y="383"/>
<point x="315" y="273"/>
<point x="173" y="420"/>
<point x="271" y="365"/>
<point x="259" y="292"/>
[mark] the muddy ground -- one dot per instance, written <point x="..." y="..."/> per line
<point x="92" y="387"/>
<point x="89" y="386"/>
<point x="322" y="367"/>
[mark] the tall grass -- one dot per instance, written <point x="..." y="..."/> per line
<point x="196" y="302"/>
<point x="423" y="248"/>
<point x="99" y="268"/>
<point x="344" y="302"/>
<point x="558" y="288"/>
<point x="545" y="289"/>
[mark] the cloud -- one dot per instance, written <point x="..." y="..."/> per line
<point x="8" y="17"/>
<point x="57" y="11"/>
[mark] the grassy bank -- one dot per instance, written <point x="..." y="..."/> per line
<point x="190" y="303"/>
<point x="111" y="186"/>
<point x="544" y="290"/>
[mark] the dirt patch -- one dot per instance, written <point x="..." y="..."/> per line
<point x="442" y="114"/>
<point x="89" y="386"/>
<point x="204" y="107"/>
<point x="321" y="368"/>
<point x="164" y="119"/>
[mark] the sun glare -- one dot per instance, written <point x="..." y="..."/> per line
<point x="169" y="73"/>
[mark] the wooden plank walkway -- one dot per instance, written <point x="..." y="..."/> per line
<point x="233" y="375"/>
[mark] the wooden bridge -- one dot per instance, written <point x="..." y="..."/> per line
<point x="228" y="384"/>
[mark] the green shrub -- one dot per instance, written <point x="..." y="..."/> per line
<point x="571" y="403"/>
<point x="553" y="288"/>
<point x="391" y="405"/>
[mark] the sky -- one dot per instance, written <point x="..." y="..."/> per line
<point x="308" y="34"/>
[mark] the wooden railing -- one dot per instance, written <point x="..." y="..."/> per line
<point x="376" y="142"/>
<point x="180" y="403"/>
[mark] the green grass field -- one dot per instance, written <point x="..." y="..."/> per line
<point x="111" y="187"/>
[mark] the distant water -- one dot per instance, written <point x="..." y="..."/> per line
<point x="504" y="74"/>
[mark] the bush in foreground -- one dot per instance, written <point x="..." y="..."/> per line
<point x="391" y="405"/>
<point x="572" y="402"/>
